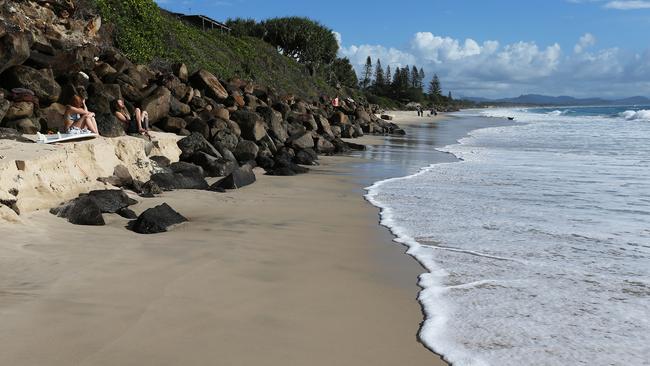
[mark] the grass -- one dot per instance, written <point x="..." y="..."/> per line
<point x="146" y="34"/>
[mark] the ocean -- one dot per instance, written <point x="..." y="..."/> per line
<point x="537" y="242"/>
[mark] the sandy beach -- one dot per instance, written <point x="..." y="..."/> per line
<point x="288" y="271"/>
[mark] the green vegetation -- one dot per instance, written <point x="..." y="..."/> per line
<point x="147" y="34"/>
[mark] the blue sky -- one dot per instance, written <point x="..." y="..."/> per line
<point x="483" y="48"/>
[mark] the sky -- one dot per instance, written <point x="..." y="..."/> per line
<point x="486" y="48"/>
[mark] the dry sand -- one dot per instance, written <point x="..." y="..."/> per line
<point x="289" y="271"/>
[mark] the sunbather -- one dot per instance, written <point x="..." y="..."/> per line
<point x="138" y="122"/>
<point x="77" y="117"/>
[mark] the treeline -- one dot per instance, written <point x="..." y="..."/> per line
<point x="306" y="41"/>
<point x="404" y="84"/>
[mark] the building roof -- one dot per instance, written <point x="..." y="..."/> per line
<point x="203" y="20"/>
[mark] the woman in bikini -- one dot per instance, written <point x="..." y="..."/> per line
<point x="78" y="117"/>
<point x="138" y="123"/>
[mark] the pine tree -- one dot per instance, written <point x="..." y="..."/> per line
<point x="388" y="76"/>
<point x="415" y="77"/>
<point x="367" y="74"/>
<point x="379" y="76"/>
<point x="421" y="77"/>
<point x="434" y="89"/>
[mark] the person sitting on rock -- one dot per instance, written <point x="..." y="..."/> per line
<point x="137" y="122"/>
<point x="78" y="118"/>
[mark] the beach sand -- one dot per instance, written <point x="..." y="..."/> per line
<point x="288" y="271"/>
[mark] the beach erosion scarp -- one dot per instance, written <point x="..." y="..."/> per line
<point x="38" y="176"/>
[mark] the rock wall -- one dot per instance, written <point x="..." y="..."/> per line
<point x="35" y="176"/>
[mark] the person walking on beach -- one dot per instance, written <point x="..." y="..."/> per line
<point x="419" y="109"/>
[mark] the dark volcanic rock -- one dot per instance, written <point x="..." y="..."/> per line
<point x="212" y="166"/>
<point x="195" y="143"/>
<point x="306" y="157"/>
<point x="302" y="141"/>
<point x="187" y="169"/>
<point x="171" y="181"/>
<point x="246" y="150"/>
<point x="157" y="104"/>
<point x="12" y="134"/>
<point x="156" y="220"/>
<point x="14" y="50"/>
<point x="41" y="82"/>
<point x="239" y="178"/>
<point x="251" y="125"/>
<point x="127" y="213"/>
<point x="81" y="211"/>
<point x="111" y="200"/>
<point x="109" y="126"/>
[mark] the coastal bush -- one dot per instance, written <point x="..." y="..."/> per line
<point x="147" y="34"/>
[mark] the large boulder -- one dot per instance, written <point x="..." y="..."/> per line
<point x="207" y="82"/>
<point x="80" y="211"/>
<point x="275" y="122"/>
<point x="178" y="108"/>
<point x="213" y="166"/>
<point x="306" y="157"/>
<point x="239" y="178"/>
<point x="362" y="116"/>
<point x="172" y="124"/>
<point x="109" y="126"/>
<point x="180" y="70"/>
<point x="14" y="50"/>
<point x="111" y="200"/>
<point x="302" y="141"/>
<point x="41" y="82"/>
<point x="324" y="126"/>
<point x="171" y="181"/>
<point x="12" y="134"/>
<point x="196" y="143"/>
<point x="53" y="116"/>
<point x="246" y="151"/>
<point x="156" y="220"/>
<point x="4" y="107"/>
<point x="225" y="139"/>
<point x="157" y="104"/>
<point x="20" y="110"/>
<point x="251" y="125"/>
<point x="27" y="126"/>
<point x="323" y="146"/>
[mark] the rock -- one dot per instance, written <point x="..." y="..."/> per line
<point x="362" y="116"/>
<point x="214" y="167"/>
<point x="161" y="161"/>
<point x="172" y="124"/>
<point x="177" y="108"/>
<point x="324" y="126"/>
<point x="225" y="140"/>
<point x="305" y="119"/>
<point x="207" y="82"/>
<point x="4" y="107"/>
<point x="111" y="200"/>
<point x="24" y="125"/>
<point x="171" y="181"/>
<point x="340" y="146"/>
<point x="246" y="151"/>
<point x="180" y="70"/>
<point x="123" y="174"/>
<point x="356" y="147"/>
<point x="12" y="134"/>
<point x="222" y="113"/>
<point x="14" y="50"/>
<point x="196" y="143"/>
<point x="150" y="189"/>
<point x="306" y="157"/>
<point x="109" y="126"/>
<point x="199" y="126"/>
<point x="302" y="141"/>
<point x="187" y="169"/>
<point x="386" y="117"/>
<point x="80" y="211"/>
<point x="239" y="178"/>
<point x="53" y="116"/>
<point x="277" y="125"/>
<point x="41" y="82"/>
<point x="325" y="147"/>
<point x="157" y="104"/>
<point x="20" y="110"/>
<point x="127" y="213"/>
<point x="399" y="132"/>
<point x="283" y="108"/>
<point x="251" y="125"/>
<point x="339" y="118"/>
<point x="156" y="220"/>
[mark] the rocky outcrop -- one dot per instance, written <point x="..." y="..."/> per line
<point x="156" y="220"/>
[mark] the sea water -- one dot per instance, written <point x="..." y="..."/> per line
<point x="537" y="243"/>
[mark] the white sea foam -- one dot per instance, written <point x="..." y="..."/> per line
<point x="643" y="114"/>
<point x="537" y="244"/>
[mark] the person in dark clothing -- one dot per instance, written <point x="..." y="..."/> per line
<point x="138" y="122"/>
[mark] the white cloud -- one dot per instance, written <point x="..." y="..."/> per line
<point x="491" y="69"/>
<point x="628" y="5"/>
<point x="586" y="41"/>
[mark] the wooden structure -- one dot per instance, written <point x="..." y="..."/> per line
<point x="203" y="22"/>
